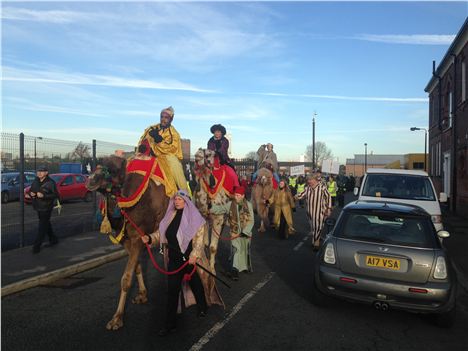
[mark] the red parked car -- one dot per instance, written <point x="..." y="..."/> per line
<point x="70" y="187"/>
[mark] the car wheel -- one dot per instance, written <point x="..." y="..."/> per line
<point x="5" y="197"/>
<point x="318" y="298"/>
<point x="446" y="319"/>
<point x="88" y="197"/>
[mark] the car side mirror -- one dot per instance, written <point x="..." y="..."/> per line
<point x="330" y="222"/>
<point x="356" y="191"/>
<point x="443" y="234"/>
<point x="443" y="197"/>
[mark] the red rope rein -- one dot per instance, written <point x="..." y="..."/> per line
<point x="187" y="276"/>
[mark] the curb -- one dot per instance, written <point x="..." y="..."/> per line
<point x="49" y="277"/>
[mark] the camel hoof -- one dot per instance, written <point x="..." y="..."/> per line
<point x="140" y="299"/>
<point x="115" y="323"/>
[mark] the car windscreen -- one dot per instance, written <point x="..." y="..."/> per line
<point x="56" y="178"/>
<point x="399" y="186"/>
<point x="388" y="228"/>
<point x="7" y="177"/>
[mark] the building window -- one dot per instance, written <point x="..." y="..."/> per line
<point x="463" y="81"/>
<point x="432" y="160"/>
<point x="439" y="152"/>
<point x="418" y="165"/>
<point x="450" y="108"/>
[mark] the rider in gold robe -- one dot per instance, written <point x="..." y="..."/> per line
<point x="163" y="141"/>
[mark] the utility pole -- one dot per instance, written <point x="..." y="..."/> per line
<point x="313" y="140"/>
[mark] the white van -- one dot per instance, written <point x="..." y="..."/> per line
<point x="404" y="186"/>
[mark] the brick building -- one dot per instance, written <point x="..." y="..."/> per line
<point x="448" y="124"/>
<point x="186" y="149"/>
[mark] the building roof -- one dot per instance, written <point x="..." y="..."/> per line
<point x="457" y="45"/>
<point x="375" y="159"/>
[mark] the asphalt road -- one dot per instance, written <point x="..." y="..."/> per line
<point x="75" y="217"/>
<point x="269" y="309"/>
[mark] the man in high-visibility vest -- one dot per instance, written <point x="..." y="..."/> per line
<point x="332" y="188"/>
<point x="292" y="185"/>
<point x="300" y="186"/>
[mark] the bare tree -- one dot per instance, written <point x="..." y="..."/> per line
<point x="252" y="155"/>
<point x="322" y="152"/>
<point x="81" y="152"/>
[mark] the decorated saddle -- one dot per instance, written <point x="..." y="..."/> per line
<point x="225" y="178"/>
<point x="151" y="170"/>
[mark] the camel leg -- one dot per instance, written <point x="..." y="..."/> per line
<point x="133" y="248"/>
<point x="262" y="226"/>
<point x="142" y="296"/>
<point x="217" y="227"/>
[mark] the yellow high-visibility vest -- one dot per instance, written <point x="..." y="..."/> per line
<point x="292" y="182"/>
<point x="300" y="188"/>
<point x="332" y="188"/>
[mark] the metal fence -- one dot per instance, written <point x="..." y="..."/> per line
<point x="24" y="154"/>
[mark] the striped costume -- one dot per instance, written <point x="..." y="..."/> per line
<point x="318" y="200"/>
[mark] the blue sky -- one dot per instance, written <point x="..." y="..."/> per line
<point x="82" y="71"/>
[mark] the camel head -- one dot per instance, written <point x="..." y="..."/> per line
<point x="108" y="174"/>
<point x="264" y="176"/>
<point x="204" y="158"/>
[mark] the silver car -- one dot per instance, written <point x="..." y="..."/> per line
<point x="387" y="255"/>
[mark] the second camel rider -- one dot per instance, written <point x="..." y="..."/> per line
<point x="220" y="145"/>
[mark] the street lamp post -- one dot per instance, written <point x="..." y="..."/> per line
<point x="365" y="157"/>
<point x="313" y="140"/>
<point x="425" y="145"/>
<point x="35" y="164"/>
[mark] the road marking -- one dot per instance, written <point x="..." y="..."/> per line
<point x="305" y="238"/>
<point x="210" y="334"/>
<point x="298" y="246"/>
<point x="26" y="271"/>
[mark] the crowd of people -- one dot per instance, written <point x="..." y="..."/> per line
<point x="183" y="231"/>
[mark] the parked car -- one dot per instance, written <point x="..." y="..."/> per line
<point x="404" y="186"/>
<point x="11" y="184"/>
<point x="387" y="255"/>
<point x="70" y="187"/>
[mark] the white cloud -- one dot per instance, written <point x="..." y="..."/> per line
<point x="24" y="104"/>
<point x="29" y="76"/>
<point x="414" y="39"/>
<point x="51" y="16"/>
<point x="343" y="97"/>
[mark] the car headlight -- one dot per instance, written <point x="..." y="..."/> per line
<point x="436" y="219"/>
<point x="329" y="256"/>
<point x="440" y="271"/>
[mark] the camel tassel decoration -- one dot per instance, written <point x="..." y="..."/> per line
<point x="105" y="225"/>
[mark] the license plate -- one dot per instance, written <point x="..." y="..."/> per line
<point x="383" y="262"/>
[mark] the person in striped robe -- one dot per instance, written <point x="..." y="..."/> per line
<point x="318" y="205"/>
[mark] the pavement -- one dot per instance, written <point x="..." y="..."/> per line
<point x="21" y="269"/>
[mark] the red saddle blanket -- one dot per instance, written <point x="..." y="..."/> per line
<point x="150" y="169"/>
<point x="226" y="178"/>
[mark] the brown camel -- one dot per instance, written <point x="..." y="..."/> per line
<point x="146" y="213"/>
<point x="213" y="208"/>
<point x="262" y="195"/>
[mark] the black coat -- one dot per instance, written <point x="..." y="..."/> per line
<point x="49" y="189"/>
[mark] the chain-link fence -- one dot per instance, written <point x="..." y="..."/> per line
<point x="69" y="163"/>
